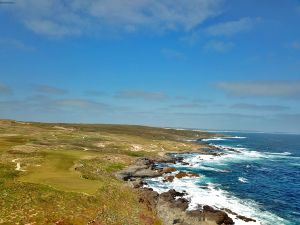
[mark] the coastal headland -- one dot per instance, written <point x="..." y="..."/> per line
<point x="65" y="173"/>
<point x="93" y="174"/>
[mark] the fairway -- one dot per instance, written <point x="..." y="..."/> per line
<point x="58" y="172"/>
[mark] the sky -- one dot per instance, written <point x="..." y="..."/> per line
<point x="207" y="64"/>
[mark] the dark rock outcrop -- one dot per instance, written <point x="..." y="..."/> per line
<point x="246" y="219"/>
<point x="168" y="170"/>
<point x="182" y="174"/>
<point x="168" y="179"/>
<point x="219" y="216"/>
<point x="141" y="169"/>
<point x="170" y="206"/>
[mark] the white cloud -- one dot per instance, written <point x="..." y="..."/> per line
<point x="51" y="28"/>
<point x="283" y="89"/>
<point x="232" y="27"/>
<point x="80" y="103"/>
<point x="218" y="46"/>
<point x="256" y="107"/>
<point x="47" y="89"/>
<point x="60" y="18"/>
<point x="143" y="95"/>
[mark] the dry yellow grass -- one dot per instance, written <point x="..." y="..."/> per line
<point x="66" y="171"/>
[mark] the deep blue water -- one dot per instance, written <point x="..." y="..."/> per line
<point x="273" y="180"/>
<point x="261" y="180"/>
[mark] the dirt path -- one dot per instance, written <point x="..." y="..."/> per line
<point x="18" y="165"/>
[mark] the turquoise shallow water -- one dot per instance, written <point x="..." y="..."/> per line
<point x="258" y="176"/>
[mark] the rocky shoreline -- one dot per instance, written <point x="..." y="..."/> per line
<point x="171" y="206"/>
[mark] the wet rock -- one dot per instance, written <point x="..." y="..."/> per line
<point x="180" y="159"/>
<point x="171" y="195"/>
<point x="246" y="219"/>
<point x="182" y="174"/>
<point x="217" y="154"/>
<point x="229" y="211"/>
<point x="217" y="215"/>
<point x="138" y="183"/>
<point x="208" y="208"/>
<point x="203" y="187"/>
<point x="169" y="170"/>
<point x="168" y="179"/>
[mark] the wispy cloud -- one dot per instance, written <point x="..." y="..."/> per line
<point x="232" y="27"/>
<point x="60" y="18"/>
<point x="218" y="46"/>
<point x="5" y="90"/>
<point x="295" y="45"/>
<point x="51" y="28"/>
<point x="256" y="107"/>
<point x="95" y="93"/>
<point x="144" y="95"/>
<point x="47" y="89"/>
<point x="188" y="106"/>
<point x="172" y="54"/>
<point x="272" y="88"/>
<point x="42" y="103"/>
<point x="80" y="103"/>
<point x="16" y="44"/>
<point x="229" y="116"/>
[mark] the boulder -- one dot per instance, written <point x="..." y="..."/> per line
<point x="217" y="215"/>
<point x="168" y="179"/>
<point x="246" y="219"/>
<point x="229" y="211"/>
<point x="182" y="174"/>
<point x="169" y="170"/>
<point x="180" y="203"/>
<point x="170" y="195"/>
<point x="148" y="197"/>
<point x="138" y="183"/>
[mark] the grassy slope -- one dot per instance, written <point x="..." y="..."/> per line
<point x="66" y="171"/>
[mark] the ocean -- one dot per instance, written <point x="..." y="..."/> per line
<point x="258" y="176"/>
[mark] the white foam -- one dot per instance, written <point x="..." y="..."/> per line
<point x="216" y="197"/>
<point x="243" y="180"/>
<point x="240" y="153"/>
<point x="222" y="138"/>
<point x="214" y="139"/>
<point x="237" y="137"/>
<point x="213" y="196"/>
<point x="226" y="147"/>
<point x="279" y="153"/>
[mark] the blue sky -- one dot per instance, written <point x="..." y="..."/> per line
<point x="212" y="64"/>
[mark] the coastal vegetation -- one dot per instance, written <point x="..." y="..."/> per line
<point x="65" y="173"/>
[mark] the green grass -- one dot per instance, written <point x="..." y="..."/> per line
<point x="69" y="171"/>
<point x="57" y="171"/>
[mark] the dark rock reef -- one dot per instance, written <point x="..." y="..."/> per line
<point x="171" y="206"/>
